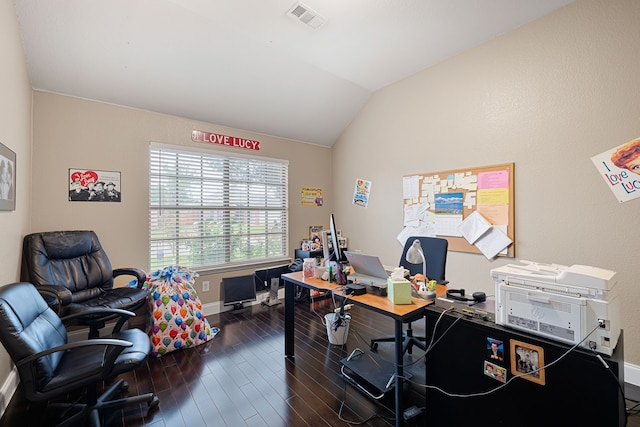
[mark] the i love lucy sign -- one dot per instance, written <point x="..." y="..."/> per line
<point x="230" y="141"/>
<point x="620" y="169"/>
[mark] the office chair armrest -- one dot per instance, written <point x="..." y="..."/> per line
<point x="98" y="311"/>
<point x="138" y="273"/>
<point x="56" y="296"/>
<point x="122" y="344"/>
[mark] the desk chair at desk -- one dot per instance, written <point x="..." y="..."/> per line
<point x="435" y="255"/>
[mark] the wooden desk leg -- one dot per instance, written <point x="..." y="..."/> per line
<point x="399" y="374"/>
<point x="289" y="317"/>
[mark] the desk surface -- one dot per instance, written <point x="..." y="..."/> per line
<point x="371" y="301"/>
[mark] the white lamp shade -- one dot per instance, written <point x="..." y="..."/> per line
<point x="414" y="253"/>
<point x="416" y="256"/>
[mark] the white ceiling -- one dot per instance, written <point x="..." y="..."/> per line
<point x="247" y="64"/>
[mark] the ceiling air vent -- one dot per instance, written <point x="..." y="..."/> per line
<point x="303" y="13"/>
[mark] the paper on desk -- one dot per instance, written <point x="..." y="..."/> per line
<point x="473" y="227"/>
<point x="493" y="242"/>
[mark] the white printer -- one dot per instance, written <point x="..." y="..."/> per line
<point x="576" y="304"/>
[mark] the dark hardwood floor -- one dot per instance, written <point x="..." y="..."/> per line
<point x="241" y="377"/>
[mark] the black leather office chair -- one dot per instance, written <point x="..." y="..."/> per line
<point x="435" y="253"/>
<point x="72" y="272"/>
<point x="49" y="366"/>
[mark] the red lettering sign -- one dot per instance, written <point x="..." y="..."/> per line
<point x="230" y="141"/>
<point x="85" y="178"/>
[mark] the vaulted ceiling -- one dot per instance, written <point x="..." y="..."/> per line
<point x="279" y="67"/>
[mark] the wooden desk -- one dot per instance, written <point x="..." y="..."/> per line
<point x="382" y="305"/>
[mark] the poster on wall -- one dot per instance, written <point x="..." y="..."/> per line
<point x="620" y="169"/>
<point x="86" y="185"/>
<point x="361" y="193"/>
<point x="311" y="196"/>
<point x="7" y="179"/>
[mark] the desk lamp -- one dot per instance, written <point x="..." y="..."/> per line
<point x="415" y="255"/>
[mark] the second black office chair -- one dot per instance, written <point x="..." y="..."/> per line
<point x="435" y="254"/>
<point x="73" y="273"/>
<point x="50" y="367"/>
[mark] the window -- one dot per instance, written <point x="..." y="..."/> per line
<point x="210" y="209"/>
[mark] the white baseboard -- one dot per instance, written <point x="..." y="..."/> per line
<point x="632" y="374"/>
<point x="217" y="307"/>
<point x="8" y="388"/>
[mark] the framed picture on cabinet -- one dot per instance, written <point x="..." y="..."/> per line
<point x="527" y="361"/>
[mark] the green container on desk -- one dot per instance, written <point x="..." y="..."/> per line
<point x="399" y="291"/>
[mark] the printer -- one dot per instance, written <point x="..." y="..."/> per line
<point x="575" y="304"/>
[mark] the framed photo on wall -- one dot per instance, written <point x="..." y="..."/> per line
<point x="7" y="179"/>
<point x="86" y="185"/>
<point x="527" y="361"/>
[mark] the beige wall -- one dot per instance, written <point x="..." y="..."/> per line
<point x="75" y="133"/>
<point x="547" y="97"/>
<point x="15" y="133"/>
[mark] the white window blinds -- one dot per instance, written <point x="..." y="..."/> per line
<point x="209" y="209"/>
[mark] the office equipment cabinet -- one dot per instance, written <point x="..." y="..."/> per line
<point x="577" y="389"/>
<point x="299" y="253"/>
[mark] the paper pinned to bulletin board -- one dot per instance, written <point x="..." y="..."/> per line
<point x="472" y="208"/>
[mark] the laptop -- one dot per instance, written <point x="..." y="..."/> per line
<point x="368" y="269"/>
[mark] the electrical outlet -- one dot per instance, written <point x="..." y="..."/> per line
<point x="205" y="286"/>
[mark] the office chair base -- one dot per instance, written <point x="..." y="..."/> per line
<point x="408" y="342"/>
<point x="91" y="411"/>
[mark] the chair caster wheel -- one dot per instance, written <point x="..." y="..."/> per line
<point x="125" y="386"/>
<point x="154" y="402"/>
<point x="374" y="347"/>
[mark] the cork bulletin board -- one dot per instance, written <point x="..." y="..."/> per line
<point x="442" y="200"/>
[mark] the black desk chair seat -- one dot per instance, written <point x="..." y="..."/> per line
<point x="435" y="254"/>
<point x="49" y="366"/>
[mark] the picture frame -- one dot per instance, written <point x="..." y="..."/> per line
<point x="7" y="179"/>
<point x="89" y="185"/>
<point x="315" y="233"/>
<point x="497" y="372"/>
<point x="527" y="361"/>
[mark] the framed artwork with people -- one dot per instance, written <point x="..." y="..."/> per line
<point x="7" y="179"/>
<point x="527" y="361"/>
<point x="87" y="185"/>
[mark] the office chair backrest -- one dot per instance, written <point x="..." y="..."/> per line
<point x="74" y="259"/>
<point x="29" y="326"/>
<point x="435" y="252"/>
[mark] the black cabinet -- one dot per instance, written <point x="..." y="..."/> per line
<point x="318" y="255"/>
<point x="577" y="389"/>
<point x="308" y="254"/>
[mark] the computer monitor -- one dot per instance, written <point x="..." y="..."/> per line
<point x="337" y="252"/>
<point x="238" y="290"/>
<point x="263" y="276"/>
